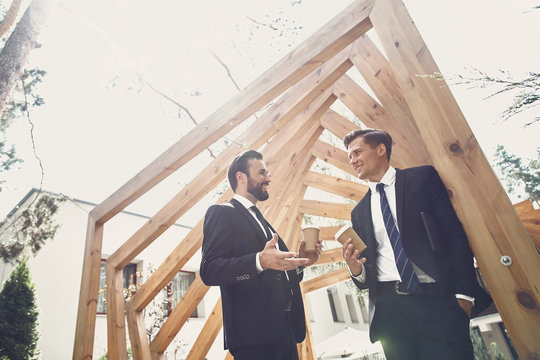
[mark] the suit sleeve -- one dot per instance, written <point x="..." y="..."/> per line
<point x="219" y="265"/>
<point x="457" y="245"/>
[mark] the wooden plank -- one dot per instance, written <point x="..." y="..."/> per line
<point x="328" y="232"/>
<point x="307" y="347"/>
<point x="380" y="77"/>
<point x="326" y="209"/>
<point x="185" y="307"/>
<point x="307" y="57"/>
<point x="208" y="334"/>
<point x="337" y="124"/>
<point x="328" y="279"/>
<point x="116" y="330"/>
<point x="330" y="256"/>
<point x="333" y="156"/>
<point x="140" y="346"/>
<point x="491" y="223"/>
<point x="86" y="313"/>
<point x="524" y="207"/>
<point x="346" y="188"/>
<point x="373" y="115"/>
<point x="298" y="102"/>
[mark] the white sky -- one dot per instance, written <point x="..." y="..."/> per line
<point x="95" y="132"/>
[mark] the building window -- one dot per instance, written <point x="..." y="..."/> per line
<point x="177" y="288"/>
<point x="335" y="307"/>
<point x="352" y="308"/>
<point x="129" y="281"/>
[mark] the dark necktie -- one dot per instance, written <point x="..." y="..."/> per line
<point x="263" y="222"/>
<point x="404" y="266"/>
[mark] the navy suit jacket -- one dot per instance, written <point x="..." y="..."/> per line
<point x="253" y="303"/>
<point x="445" y="255"/>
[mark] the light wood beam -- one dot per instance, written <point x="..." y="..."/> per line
<point x="328" y="232"/>
<point x="492" y="225"/>
<point x="326" y="209"/>
<point x="86" y="313"/>
<point x="208" y="334"/>
<point x="337" y="124"/>
<point x="346" y="188"/>
<point x="140" y="345"/>
<point x="116" y="330"/>
<point x="328" y="279"/>
<point x="379" y="75"/>
<point x="333" y="155"/>
<point x="277" y="117"/>
<point x="373" y="115"/>
<point x="185" y="307"/>
<point x="304" y="59"/>
<point x="330" y="256"/>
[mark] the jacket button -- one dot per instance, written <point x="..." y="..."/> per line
<point x="278" y="277"/>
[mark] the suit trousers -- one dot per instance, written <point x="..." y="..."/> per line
<point x="283" y="350"/>
<point x="421" y="326"/>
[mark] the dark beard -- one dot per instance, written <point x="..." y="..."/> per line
<point x="257" y="191"/>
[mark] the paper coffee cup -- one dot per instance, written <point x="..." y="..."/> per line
<point x="347" y="232"/>
<point x="310" y="234"/>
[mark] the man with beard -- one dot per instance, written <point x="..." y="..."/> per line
<point x="263" y="312"/>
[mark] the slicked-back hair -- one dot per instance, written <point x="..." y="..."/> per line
<point x="240" y="163"/>
<point x="372" y="137"/>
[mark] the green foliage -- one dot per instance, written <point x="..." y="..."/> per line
<point x="18" y="316"/>
<point x="31" y="228"/>
<point x="516" y="173"/>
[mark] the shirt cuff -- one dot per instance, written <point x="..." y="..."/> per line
<point x="360" y="277"/>
<point x="465" y="297"/>
<point x="258" y="263"/>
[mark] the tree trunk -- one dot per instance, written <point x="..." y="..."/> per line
<point x="14" y="55"/>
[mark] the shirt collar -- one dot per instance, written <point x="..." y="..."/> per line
<point x="244" y="201"/>
<point x="388" y="179"/>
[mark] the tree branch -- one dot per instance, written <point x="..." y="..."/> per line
<point x="9" y="19"/>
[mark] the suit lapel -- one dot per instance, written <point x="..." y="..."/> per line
<point x="245" y="212"/>
<point x="400" y="197"/>
<point x="365" y="221"/>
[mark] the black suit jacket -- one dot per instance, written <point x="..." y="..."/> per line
<point x="253" y="303"/>
<point x="445" y="255"/>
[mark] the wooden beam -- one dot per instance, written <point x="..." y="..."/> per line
<point x="185" y="307"/>
<point x="306" y="350"/>
<point x="330" y="256"/>
<point x="492" y="225"/>
<point x="373" y="115"/>
<point x="327" y="209"/>
<point x="524" y="207"/>
<point x="337" y="124"/>
<point x="307" y="57"/>
<point x="208" y="334"/>
<point x="333" y="155"/>
<point x="347" y="189"/>
<point x="312" y="92"/>
<point x="86" y="313"/>
<point x="140" y="345"/>
<point x="116" y="330"/>
<point x="328" y="232"/>
<point x="328" y="279"/>
<point x="380" y="77"/>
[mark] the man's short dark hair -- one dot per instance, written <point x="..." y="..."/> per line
<point x="240" y="163"/>
<point x="372" y="137"/>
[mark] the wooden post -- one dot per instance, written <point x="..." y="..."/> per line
<point x="493" y="227"/>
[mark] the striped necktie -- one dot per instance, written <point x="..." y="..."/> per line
<point x="404" y="266"/>
<point x="261" y="218"/>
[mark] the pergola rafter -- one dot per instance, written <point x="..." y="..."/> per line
<point x="426" y="124"/>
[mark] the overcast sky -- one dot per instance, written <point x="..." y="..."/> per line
<point x="99" y="126"/>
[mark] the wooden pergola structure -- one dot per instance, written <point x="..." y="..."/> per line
<point x="426" y="124"/>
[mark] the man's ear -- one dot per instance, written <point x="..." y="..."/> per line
<point x="241" y="178"/>
<point x="381" y="149"/>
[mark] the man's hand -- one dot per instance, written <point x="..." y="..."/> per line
<point x="313" y="256"/>
<point x="466" y="305"/>
<point x="351" y="257"/>
<point x="271" y="258"/>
